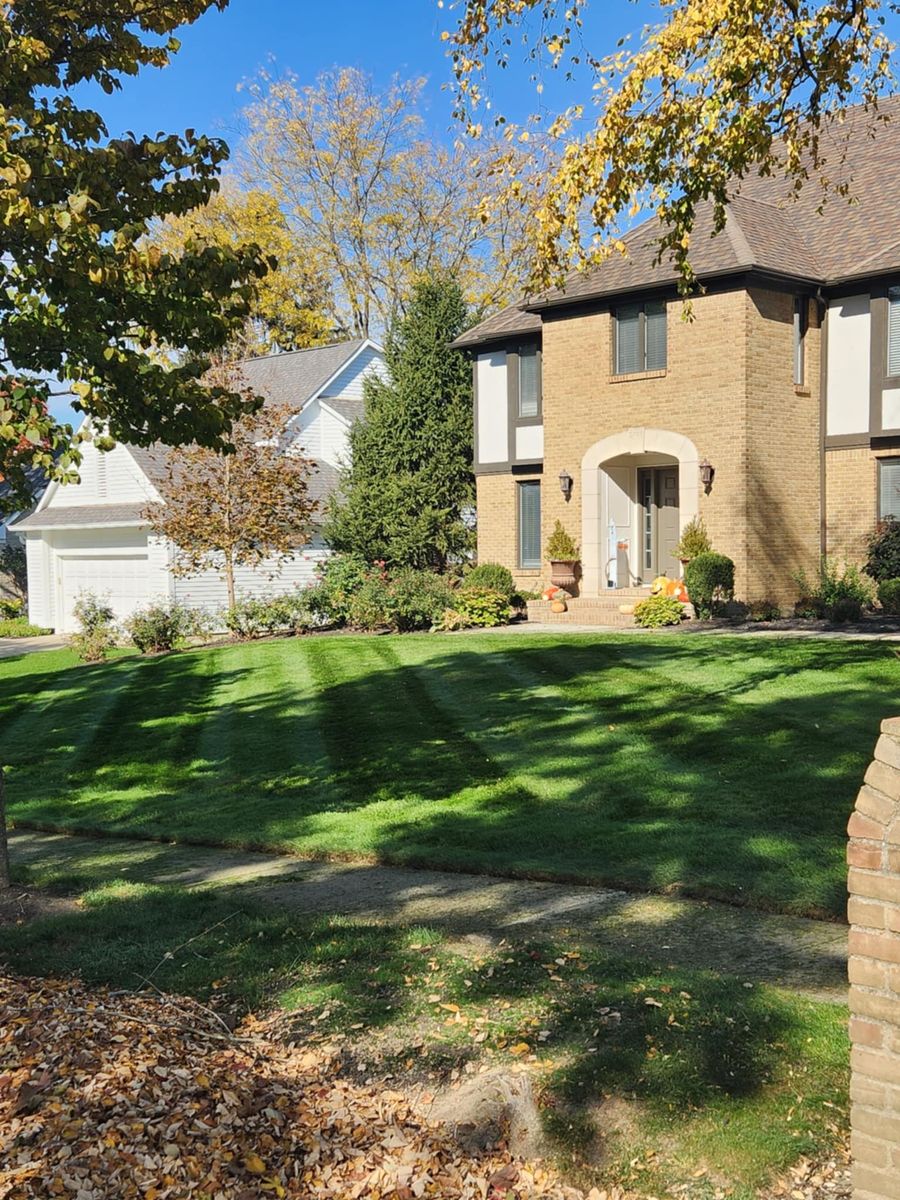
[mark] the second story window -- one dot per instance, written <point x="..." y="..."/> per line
<point x="529" y="382"/>
<point x="640" y="333"/>
<point x="801" y="314"/>
<point x="893" y="338"/>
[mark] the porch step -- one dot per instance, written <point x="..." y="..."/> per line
<point x="590" y="610"/>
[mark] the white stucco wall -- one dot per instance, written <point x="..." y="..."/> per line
<point x="492" y="411"/>
<point x="848" y="354"/>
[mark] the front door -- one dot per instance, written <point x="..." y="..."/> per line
<point x="660" y="525"/>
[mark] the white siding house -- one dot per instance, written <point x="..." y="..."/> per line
<point x="92" y="536"/>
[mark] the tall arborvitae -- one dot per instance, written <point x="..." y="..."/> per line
<point x="405" y="496"/>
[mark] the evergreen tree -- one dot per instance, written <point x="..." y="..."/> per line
<point x="404" y="496"/>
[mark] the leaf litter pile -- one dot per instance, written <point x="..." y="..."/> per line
<point x="109" y="1094"/>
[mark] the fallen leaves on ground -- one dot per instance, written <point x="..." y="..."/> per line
<point x="106" y="1094"/>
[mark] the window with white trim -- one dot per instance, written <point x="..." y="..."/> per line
<point x="640" y="332"/>
<point x="529" y="513"/>
<point x="893" y="338"/>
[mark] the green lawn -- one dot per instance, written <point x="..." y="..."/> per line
<point x="725" y="766"/>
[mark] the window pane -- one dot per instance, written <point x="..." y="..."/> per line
<point x="528" y="381"/>
<point x="893" y="364"/>
<point x="889" y="487"/>
<point x="655" y="358"/>
<point x="799" y="348"/>
<point x="628" y="351"/>
<point x="530" y="524"/>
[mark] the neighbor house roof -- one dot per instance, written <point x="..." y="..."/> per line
<point x="77" y="516"/>
<point x="296" y="376"/>
<point x="767" y="229"/>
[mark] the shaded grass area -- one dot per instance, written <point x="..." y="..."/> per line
<point x="714" y="1075"/>
<point x="724" y="767"/>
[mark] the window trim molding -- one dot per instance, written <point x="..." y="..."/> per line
<point x="512" y="385"/>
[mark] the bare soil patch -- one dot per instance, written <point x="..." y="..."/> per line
<point x="19" y="906"/>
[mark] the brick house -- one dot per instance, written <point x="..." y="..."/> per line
<point x="600" y="405"/>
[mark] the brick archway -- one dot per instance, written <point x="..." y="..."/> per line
<point x="873" y="857"/>
<point x="636" y="441"/>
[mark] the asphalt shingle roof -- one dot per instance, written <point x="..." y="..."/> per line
<point x="78" y="515"/>
<point x="767" y="228"/>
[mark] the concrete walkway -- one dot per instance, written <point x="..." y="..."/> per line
<point x="11" y="647"/>
<point x="805" y="955"/>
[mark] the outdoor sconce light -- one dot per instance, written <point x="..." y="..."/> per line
<point x="707" y="475"/>
<point x="566" y="483"/>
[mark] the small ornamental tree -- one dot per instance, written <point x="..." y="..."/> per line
<point x="406" y="492"/>
<point x="225" y="510"/>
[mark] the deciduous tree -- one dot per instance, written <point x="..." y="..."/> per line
<point x="293" y="307"/>
<point x="357" y="175"/>
<point x="83" y="295"/>
<point x="715" y="90"/>
<point x="405" y="495"/>
<point x="244" y="508"/>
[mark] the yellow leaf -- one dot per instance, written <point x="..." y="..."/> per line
<point x="520" y="1048"/>
<point x="254" y="1164"/>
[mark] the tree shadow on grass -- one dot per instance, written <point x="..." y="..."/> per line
<point x="723" y="769"/>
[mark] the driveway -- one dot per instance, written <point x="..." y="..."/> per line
<point x="11" y="647"/>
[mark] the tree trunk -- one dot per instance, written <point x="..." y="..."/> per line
<point x="4" y="844"/>
<point x="229" y="579"/>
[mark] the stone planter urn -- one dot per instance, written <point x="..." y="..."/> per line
<point x="562" y="573"/>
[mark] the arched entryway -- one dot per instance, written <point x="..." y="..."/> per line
<point x="639" y="489"/>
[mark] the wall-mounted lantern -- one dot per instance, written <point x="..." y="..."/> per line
<point x="566" y="483"/>
<point x="707" y="475"/>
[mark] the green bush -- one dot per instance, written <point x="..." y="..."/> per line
<point x="883" y="547"/>
<point x="264" y="616"/>
<point x="370" y="606"/>
<point x="763" y="610"/>
<point x="341" y="577"/>
<point x="561" y="546"/>
<point x="709" y="579"/>
<point x="161" y="627"/>
<point x="477" y="607"/>
<point x="825" y="595"/>
<point x="493" y="576"/>
<point x="655" y="611"/>
<point x="97" y="633"/>
<point x="889" y="596"/>
<point x="20" y="627"/>
<point x="417" y="599"/>
<point x="11" y="608"/>
<point x="694" y="540"/>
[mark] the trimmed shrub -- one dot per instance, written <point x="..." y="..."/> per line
<point x="561" y="546"/>
<point x="709" y="579"/>
<point x="479" y="607"/>
<point x="493" y="576"/>
<point x="161" y="627"/>
<point x="694" y="539"/>
<point x="97" y="633"/>
<point x="883" y="551"/>
<point x="655" y="611"/>
<point x="889" y="596"/>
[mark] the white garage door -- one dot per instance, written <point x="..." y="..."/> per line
<point x="122" y="578"/>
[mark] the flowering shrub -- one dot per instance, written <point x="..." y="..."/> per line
<point x="161" y="627"/>
<point x="263" y="616"/>
<point x="97" y="633"/>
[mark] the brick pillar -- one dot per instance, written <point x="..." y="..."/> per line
<point x="873" y="856"/>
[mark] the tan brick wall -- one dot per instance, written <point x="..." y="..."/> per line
<point x="729" y="388"/>
<point x="873" y="857"/>
<point x="851" y="504"/>
<point x="497" y="526"/>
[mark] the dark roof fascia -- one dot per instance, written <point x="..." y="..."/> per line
<point x="499" y="340"/>
<point x="847" y="285"/>
<point x="720" y="281"/>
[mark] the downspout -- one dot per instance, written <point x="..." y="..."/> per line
<point x="823" y="418"/>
